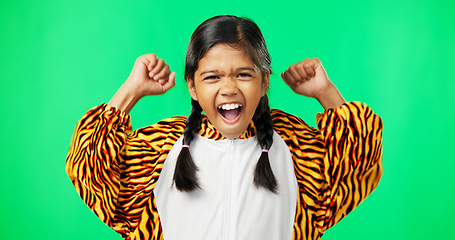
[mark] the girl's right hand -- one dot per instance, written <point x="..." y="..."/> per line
<point x="151" y="76"/>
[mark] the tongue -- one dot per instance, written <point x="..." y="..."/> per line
<point x="230" y="114"/>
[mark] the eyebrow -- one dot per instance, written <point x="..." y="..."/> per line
<point x="236" y="70"/>
<point x="209" y="72"/>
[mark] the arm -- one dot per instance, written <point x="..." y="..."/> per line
<point x="351" y="133"/>
<point x="336" y="167"/>
<point x="96" y="159"/>
<point x="93" y="163"/>
<point x="150" y="76"/>
<point x="310" y="79"/>
<point x="352" y="164"/>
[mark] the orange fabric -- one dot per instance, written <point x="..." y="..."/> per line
<point x="115" y="170"/>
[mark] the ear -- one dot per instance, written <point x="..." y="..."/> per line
<point x="265" y="83"/>
<point x="191" y="89"/>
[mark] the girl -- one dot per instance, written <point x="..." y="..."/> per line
<point x="239" y="171"/>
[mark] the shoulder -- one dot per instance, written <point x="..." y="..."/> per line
<point x="285" y="122"/>
<point x="297" y="134"/>
<point x="176" y="123"/>
<point x="172" y="127"/>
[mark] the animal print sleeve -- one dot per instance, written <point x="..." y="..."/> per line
<point x="93" y="160"/>
<point x="115" y="170"/>
<point x="352" y="135"/>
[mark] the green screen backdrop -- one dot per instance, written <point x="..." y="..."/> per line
<point x="59" y="58"/>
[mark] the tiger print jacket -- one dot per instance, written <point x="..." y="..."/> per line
<point x="115" y="170"/>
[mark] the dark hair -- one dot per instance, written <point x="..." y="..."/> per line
<point x="243" y="34"/>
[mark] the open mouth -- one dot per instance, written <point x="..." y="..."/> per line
<point x="230" y="111"/>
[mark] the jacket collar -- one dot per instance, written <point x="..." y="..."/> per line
<point x="209" y="131"/>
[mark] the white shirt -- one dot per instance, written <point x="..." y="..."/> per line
<point x="228" y="206"/>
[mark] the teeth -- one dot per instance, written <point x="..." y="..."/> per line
<point x="229" y="106"/>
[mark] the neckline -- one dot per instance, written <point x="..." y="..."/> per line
<point x="209" y="131"/>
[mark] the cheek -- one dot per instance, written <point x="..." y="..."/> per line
<point x="206" y="99"/>
<point x="252" y="96"/>
<point x="253" y="91"/>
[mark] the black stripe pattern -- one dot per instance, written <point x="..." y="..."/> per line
<point x="115" y="169"/>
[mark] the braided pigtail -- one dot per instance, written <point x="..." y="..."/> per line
<point x="185" y="178"/>
<point x="263" y="175"/>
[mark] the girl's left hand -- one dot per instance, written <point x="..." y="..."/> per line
<point x="307" y="78"/>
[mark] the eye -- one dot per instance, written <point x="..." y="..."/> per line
<point x="244" y="75"/>
<point x="211" y="77"/>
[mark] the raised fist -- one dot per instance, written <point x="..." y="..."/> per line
<point x="307" y="78"/>
<point x="151" y="76"/>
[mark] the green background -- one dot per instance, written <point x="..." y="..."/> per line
<point x="60" y="58"/>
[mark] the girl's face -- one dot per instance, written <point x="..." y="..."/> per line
<point x="228" y="87"/>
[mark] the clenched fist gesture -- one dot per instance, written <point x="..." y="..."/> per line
<point x="150" y="76"/>
<point x="309" y="78"/>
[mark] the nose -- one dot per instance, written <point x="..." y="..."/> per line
<point x="228" y="87"/>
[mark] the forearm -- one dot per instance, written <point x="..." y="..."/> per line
<point x="126" y="97"/>
<point x="331" y="98"/>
